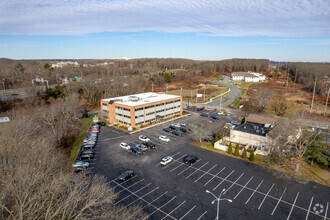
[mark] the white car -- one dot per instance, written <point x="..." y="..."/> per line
<point x="221" y="113"/>
<point x="125" y="146"/>
<point x="143" y="138"/>
<point x="178" y="125"/>
<point x="166" y="160"/>
<point x="80" y="164"/>
<point x="164" y="138"/>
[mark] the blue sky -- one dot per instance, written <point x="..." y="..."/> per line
<point x="281" y="30"/>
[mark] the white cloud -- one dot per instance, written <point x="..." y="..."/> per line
<point x="219" y="18"/>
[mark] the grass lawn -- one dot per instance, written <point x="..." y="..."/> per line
<point x="316" y="173"/>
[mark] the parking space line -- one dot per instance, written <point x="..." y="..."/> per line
<point x="187" y="168"/>
<point x="254" y="191"/>
<point x="176" y="167"/>
<point x="143" y="196"/>
<point x="213" y="176"/>
<point x="223" y="180"/>
<point x="266" y="195"/>
<point x="233" y="184"/>
<point x="278" y="201"/>
<point x="309" y="207"/>
<point x="197" y="170"/>
<point x="132" y="194"/>
<point x="122" y="182"/>
<point x="293" y="206"/>
<point x="187" y="212"/>
<point x="175" y="160"/>
<point x="171" y="156"/>
<point x="152" y="201"/>
<point x="162" y="207"/>
<point x="127" y="187"/>
<point x="202" y="215"/>
<point x="326" y="211"/>
<point x="243" y="187"/>
<point x="174" y="209"/>
<point x="205" y="173"/>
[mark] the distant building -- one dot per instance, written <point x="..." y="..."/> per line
<point x="248" y="76"/>
<point x="66" y="63"/>
<point x="4" y="119"/>
<point x="139" y="109"/>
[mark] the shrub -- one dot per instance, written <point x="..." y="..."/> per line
<point x="251" y="155"/>
<point x="244" y="154"/>
<point x="230" y="149"/>
<point x="236" y="150"/>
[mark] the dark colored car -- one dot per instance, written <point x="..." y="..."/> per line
<point x="184" y="130"/>
<point x="204" y="115"/>
<point x="87" y="151"/>
<point x="199" y="109"/>
<point x="87" y="146"/>
<point x="208" y="139"/>
<point x="167" y="129"/>
<point x="136" y="150"/>
<point x="172" y="127"/>
<point x="190" y="159"/>
<point x="177" y="133"/>
<point x="215" y="117"/>
<point x="150" y="145"/>
<point x="101" y="123"/>
<point x="80" y="168"/>
<point x="126" y="175"/>
<point x="85" y="156"/>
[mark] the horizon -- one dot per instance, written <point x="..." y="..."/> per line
<point x="189" y="29"/>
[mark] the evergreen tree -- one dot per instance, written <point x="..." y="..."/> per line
<point x="236" y="150"/>
<point x="244" y="154"/>
<point x="230" y="149"/>
<point x="251" y="155"/>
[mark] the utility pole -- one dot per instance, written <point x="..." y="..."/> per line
<point x="196" y="95"/>
<point x="191" y="95"/>
<point x="204" y="93"/>
<point x="326" y="102"/>
<point x="152" y="87"/>
<point x="166" y="88"/>
<point x="181" y="92"/>
<point x="220" y="103"/>
<point x="313" y="94"/>
<point x="295" y="78"/>
<point x="287" y="75"/>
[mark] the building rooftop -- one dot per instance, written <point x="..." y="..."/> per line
<point x="254" y="128"/>
<point x="141" y="99"/>
<point x="246" y="74"/>
<point x="262" y="119"/>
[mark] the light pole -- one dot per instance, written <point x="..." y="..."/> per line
<point x="218" y="199"/>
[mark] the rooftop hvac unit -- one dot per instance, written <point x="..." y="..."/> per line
<point x="133" y="98"/>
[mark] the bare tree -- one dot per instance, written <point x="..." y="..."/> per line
<point x="200" y="130"/>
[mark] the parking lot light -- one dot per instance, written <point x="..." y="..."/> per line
<point x="218" y="199"/>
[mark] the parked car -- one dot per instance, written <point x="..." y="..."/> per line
<point x="176" y="125"/>
<point x="221" y="113"/>
<point x="215" y="117"/>
<point x="184" y="130"/>
<point x="87" y="151"/>
<point x="164" y="138"/>
<point x="101" y="123"/>
<point x="204" y="115"/>
<point x="142" y="147"/>
<point x="166" y="160"/>
<point x="150" y="145"/>
<point x="172" y="127"/>
<point x="85" y="156"/>
<point x="199" y="109"/>
<point x="177" y="133"/>
<point x="79" y="169"/>
<point x="125" y="146"/>
<point x="136" y="150"/>
<point x="167" y="129"/>
<point x="80" y="163"/>
<point x="87" y="146"/>
<point x="229" y="125"/>
<point x="190" y="159"/>
<point x="126" y="175"/>
<point x="208" y="139"/>
<point x="144" y="138"/>
<point x="183" y="124"/>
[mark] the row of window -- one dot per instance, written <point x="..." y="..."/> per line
<point x="151" y="106"/>
<point x="160" y="104"/>
<point x="119" y="114"/>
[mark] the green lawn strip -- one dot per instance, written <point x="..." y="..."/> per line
<point x="260" y="160"/>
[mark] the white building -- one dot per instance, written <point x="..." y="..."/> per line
<point x="248" y="76"/>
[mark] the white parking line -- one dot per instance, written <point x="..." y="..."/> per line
<point x="176" y="167"/>
<point x="278" y="201"/>
<point x="243" y="187"/>
<point x="162" y="207"/>
<point x="202" y="215"/>
<point x="187" y="212"/>
<point x="127" y="187"/>
<point x="326" y="211"/>
<point x="293" y="206"/>
<point x="158" y="209"/>
<point x="151" y="202"/>
<point x="187" y="168"/>
<point x="174" y="209"/>
<point x="214" y="176"/>
<point x="111" y="181"/>
<point x="132" y="194"/>
<point x="309" y="208"/>
<point x="266" y="196"/>
<point x="143" y="196"/>
<point x="233" y="184"/>
<point x="174" y="160"/>
<point x="205" y="173"/>
<point x="223" y="180"/>
<point x="197" y="170"/>
<point x="254" y="192"/>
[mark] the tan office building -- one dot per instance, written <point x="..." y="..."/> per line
<point x="136" y="110"/>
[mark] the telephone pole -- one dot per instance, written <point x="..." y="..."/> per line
<point x="326" y="102"/>
<point x="181" y="92"/>
<point x="287" y="75"/>
<point x="204" y="93"/>
<point x="196" y="95"/>
<point x="313" y="94"/>
<point x="295" y="78"/>
<point x="152" y="87"/>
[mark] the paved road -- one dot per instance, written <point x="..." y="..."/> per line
<point x="178" y="191"/>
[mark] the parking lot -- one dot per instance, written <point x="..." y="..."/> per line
<point x="178" y="191"/>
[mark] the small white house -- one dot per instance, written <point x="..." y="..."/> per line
<point x="248" y="76"/>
